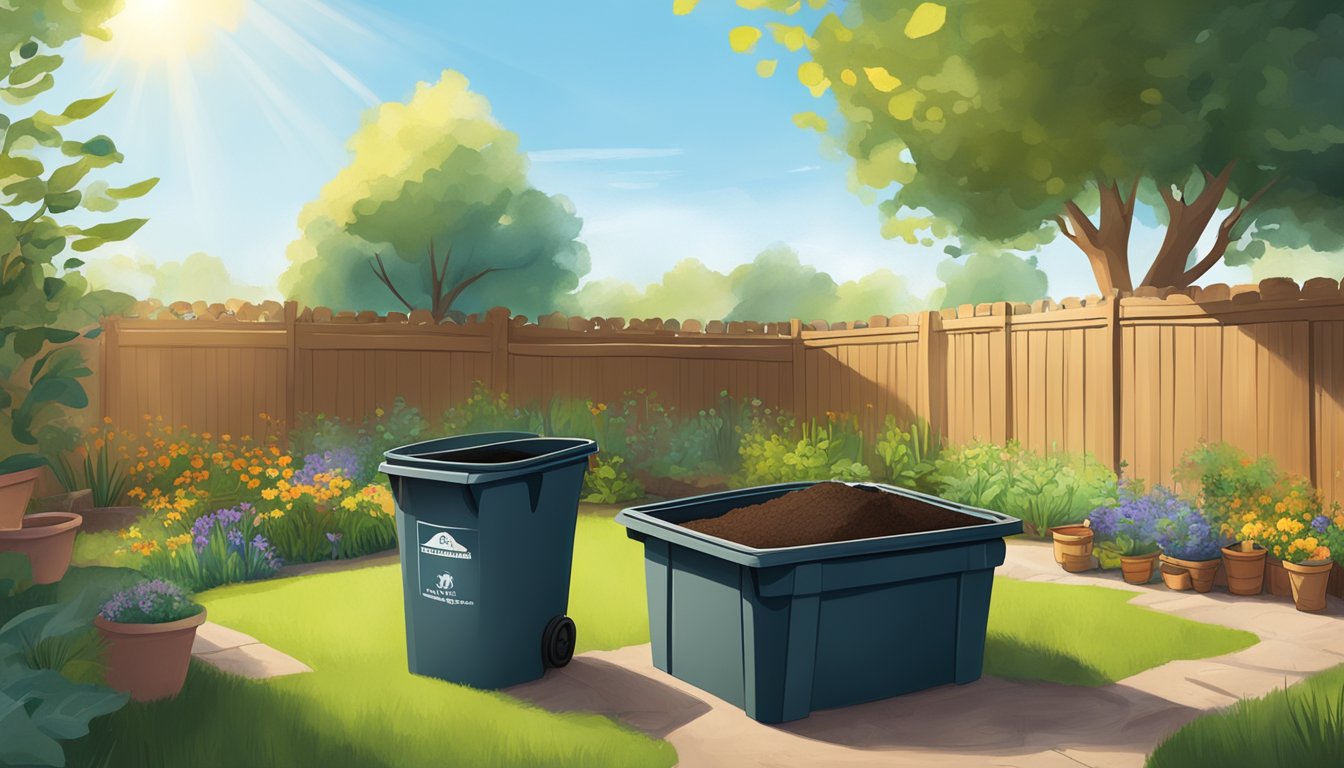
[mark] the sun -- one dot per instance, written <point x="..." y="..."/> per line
<point x="170" y="30"/>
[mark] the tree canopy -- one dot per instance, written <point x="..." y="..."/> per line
<point x="439" y="174"/>
<point x="774" y="286"/>
<point x="1017" y="120"/>
<point x="198" y="277"/>
<point x="45" y="303"/>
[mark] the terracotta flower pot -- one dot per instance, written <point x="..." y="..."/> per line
<point x="1073" y="547"/>
<point x="149" y="661"/>
<point x="1201" y="571"/>
<point x="1138" y="569"/>
<point x="1245" y="569"/>
<point x="1176" y="578"/>
<point x="47" y="539"/>
<point x="16" y="488"/>
<point x="1308" y="581"/>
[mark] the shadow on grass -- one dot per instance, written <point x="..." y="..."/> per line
<point x="219" y="720"/>
<point x="1013" y="659"/>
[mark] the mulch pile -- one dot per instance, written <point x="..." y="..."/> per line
<point x="828" y="512"/>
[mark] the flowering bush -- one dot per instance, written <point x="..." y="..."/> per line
<point x="1185" y="533"/>
<point x="366" y="522"/>
<point x="1290" y="520"/>
<point x="1219" y="477"/>
<point x="386" y="429"/>
<point x="1129" y="528"/>
<point x="149" y="602"/>
<point x="484" y="411"/>
<point x="221" y="547"/>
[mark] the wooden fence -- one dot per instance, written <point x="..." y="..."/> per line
<point x="1136" y="380"/>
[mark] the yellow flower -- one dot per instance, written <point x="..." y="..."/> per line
<point x="269" y="494"/>
<point x="277" y="514"/>
<point x="378" y="412"/>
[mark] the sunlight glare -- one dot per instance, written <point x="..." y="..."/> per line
<point x="167" y="30"/>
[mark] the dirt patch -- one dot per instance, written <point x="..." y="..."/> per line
<point x="828" y="512"/>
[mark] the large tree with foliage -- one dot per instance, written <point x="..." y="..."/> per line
<point x="45" y="304"/>
<point x="1015" y="120"/>
<point x="435" y="212"/>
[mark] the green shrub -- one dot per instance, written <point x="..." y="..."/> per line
<point x="485" y="411"/>
<point x="1215" y="476"/>
<point x="98" y="472"/>
<point x="386" y="429"/>
<point x="831" y="452"/>
<point x="609" y="483"/>
<point x="909" y="458"/>
<point x="1043" y="491"/>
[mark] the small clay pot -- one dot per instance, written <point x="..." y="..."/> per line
<point x="1073" y="547"/>
<point x="149" y="661"/>
<point x="16" y="488"/>
<point x="1138" y="569"/>
<point x="47" y="539"/>
<point x="1176" y="578"/>
<point x="1245" y="568"/>
<point x="1308" y="581"/>
<point x="1201" y="571"/>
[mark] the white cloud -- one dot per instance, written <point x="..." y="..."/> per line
<point x="805" y="168"/>
<point x="599" y="154"/>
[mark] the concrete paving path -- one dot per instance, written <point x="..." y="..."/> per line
<point x="991" y="722"/>
<point x="240" y="654"/>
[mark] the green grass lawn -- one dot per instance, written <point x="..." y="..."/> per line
<point x="1300" y="727"/>
<point x="1090" y="635"/>
<point x="361" y="708"/>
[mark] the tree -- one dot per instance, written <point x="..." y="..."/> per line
<point x="1016" y="120"/>
<point x="984" y="277"/>
<point x="198" y="277"/>
<point x="436" y="205"/>
<point x="45" y="308"/>
<point x="774" y="286"/>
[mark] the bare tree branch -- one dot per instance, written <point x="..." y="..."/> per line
<point x="381" y="272"/>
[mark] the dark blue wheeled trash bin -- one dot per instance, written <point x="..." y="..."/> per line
<point x="485" y="524"/>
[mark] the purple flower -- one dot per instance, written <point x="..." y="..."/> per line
<point x="342" y="461"/>
<point x="1320" y="523"/>
<point x="333" y="537"/>
<point x="149" y="602"/>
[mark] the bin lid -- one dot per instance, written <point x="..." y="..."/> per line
<point x="662" y="520"/>
<point x="476" y="460"/>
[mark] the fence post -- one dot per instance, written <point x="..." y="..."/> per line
<point x="1001" y="376"/>
<point x="291" y="366"/>
<point x="932" y="399"/>
<point x="498" y="318"/>
<point x="1111" y="382"/>
<point x="799" y="366"/>
<point x="109" y="361"/>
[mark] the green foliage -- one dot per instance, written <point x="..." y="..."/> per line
<point x="484" y="411"/>
<point x="1300" y="725"/>
<point x="994" y="117"/>
<point x="384" y="430"/>
<point x="607" y="482"/>
<point x="1216" y="475"/>
<point x="45" y="306"/>
<point x="833" y="451"/>
<point x="198" y="277"/>
<point x="436" y="171"/>
<point x="909" y="457"/>
<point x="40" y="707"/>
<point x="1043" y="491"/>
<point x="987" y="277"/>
<point x="98" y="472"/>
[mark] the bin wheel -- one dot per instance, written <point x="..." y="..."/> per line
<point x="557" y="642"/>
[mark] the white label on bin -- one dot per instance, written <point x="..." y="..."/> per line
<point x="443" y="577"/>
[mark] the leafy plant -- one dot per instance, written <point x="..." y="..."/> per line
<point x="1219" y="477"/>
<point x="39" y="706"/>
<point x="45" y="304"/>
<point x="608" y="482"/>
<point x="909" y="458"/>
<point x="830" y="452"/>
<point x="484" y="411"/>
<point x="386" y="429"/>
<point x="1291" y="520"/>
<point x="150" y="602"/>
<point x="1043" y="491"/>
<point x="222" y="547"/>
<point x="99" y="472"/>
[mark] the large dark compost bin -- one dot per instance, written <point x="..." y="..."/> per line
<point x="783" y="630"/>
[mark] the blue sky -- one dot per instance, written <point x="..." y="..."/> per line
<point x="668" y="143"/>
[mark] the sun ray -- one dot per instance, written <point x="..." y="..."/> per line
<point x="290" y="123"/>
<point x="292" y="42"/>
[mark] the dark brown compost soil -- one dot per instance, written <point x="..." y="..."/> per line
<point x="828" y="512"/>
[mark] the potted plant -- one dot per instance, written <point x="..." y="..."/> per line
<point x="1073" y="546"/>
<point x="1188" y="542"/>
<point x="47" y="540"/>
<point x="1304" y="547"/>
<point x="1129" y="529"/>
<point x="149" y="630"/>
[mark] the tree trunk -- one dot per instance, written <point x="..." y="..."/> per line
<point x="1106" y="245"/>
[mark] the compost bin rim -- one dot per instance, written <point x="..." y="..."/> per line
<point x="638" y="519"/>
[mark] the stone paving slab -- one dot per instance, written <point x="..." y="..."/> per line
<point x="239" y="654"/>
<point x="991" y="722"/>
